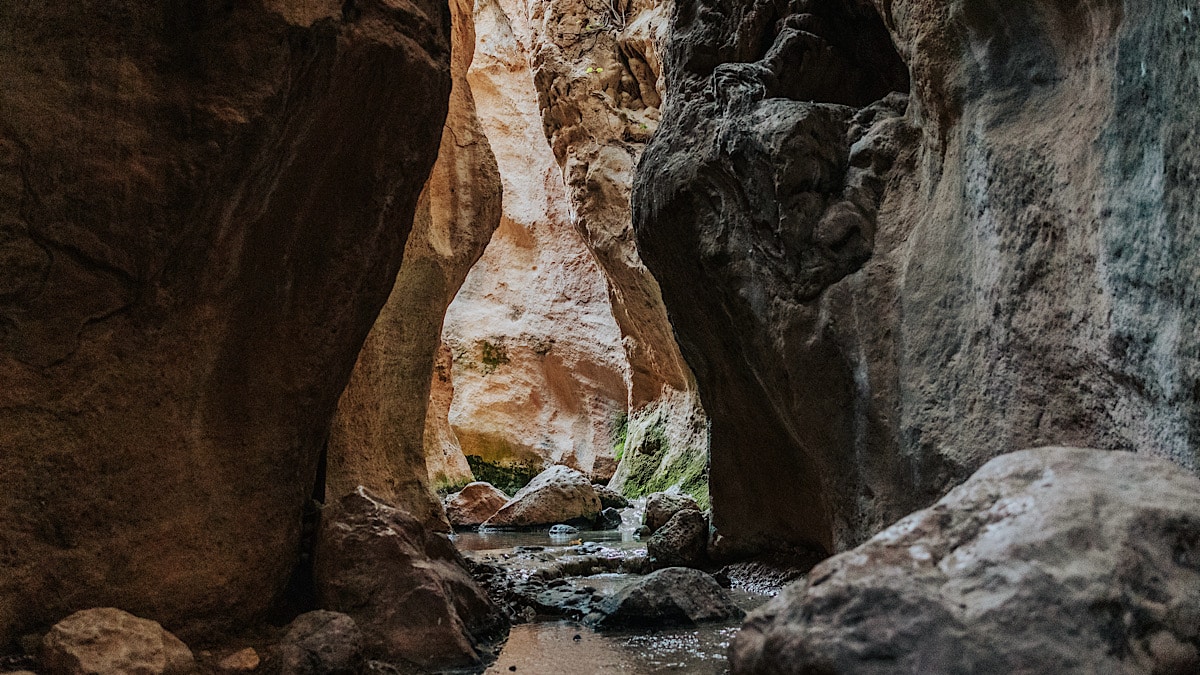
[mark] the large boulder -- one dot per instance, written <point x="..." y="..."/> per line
<point x="321" y="643"/>
<point x="406" y="587"/>
<point x="671" y="596"/>
<point x="610" y="498"/>
<point x="681" y="542"/>
<point x="109" y="641"/>
<point x="1052" y="560"/>
<point x="661" y="506"/>
<point x="559" y="494"/>
<point x="203" y="207"/>
<point x="474" y="504"/>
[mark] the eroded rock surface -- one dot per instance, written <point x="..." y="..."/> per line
<point x="407" y="588"/>
<point x="202" y="208"/>
<point x="559" y="494"/>
<point x="661" y="506"/>
<point x="681" y="542"/>
<point x="1051" y="560"/>
<point x="321" y="643"/>
<point x="671" y="596"/>
<point x="474" y="504"/>
<point x="108" y="640"/>
<point x="878" y="295"/>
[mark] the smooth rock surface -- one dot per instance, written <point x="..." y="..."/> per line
<point x="109" y="641"/>
<point x="681" y="542"/>
<point x="671" y="596"/>
<point x="1052" y="560"/>
<point x="474" y="504"/>
<point x="321" y="643"/>
<point x="203" y="207"/>
<point x="661" y="506"/>
<point x="406" y="587"/>
<point x="559" y="494"/>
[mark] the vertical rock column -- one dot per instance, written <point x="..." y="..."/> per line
<point x="203" y="207"/>
<point x="378" y="436"/>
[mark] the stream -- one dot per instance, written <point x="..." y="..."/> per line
<point x="591" y="565"/>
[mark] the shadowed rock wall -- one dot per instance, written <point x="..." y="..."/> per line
<point x="877" y="300"/>
<point x="202" y="208"/>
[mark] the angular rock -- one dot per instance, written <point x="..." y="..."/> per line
<point x="681" y="542"/>
<point x="474" y="504"/>
<point x="406" y="587"/>
<point x="242" y="661"/>
<point x="1052" y="560"/>
<point x="661" y="506"/>
<point x="107" y="641"/>
<point x="559" y="494"/>
<point x="610" y="498"/>
<point x="321" y="643"/>
<point x="671" y="596"/>
<point x="609" y="519"/>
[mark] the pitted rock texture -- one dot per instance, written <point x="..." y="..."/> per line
<point x="321" y="642"/>
<point x="1050" y="560"/>
<point x="681" y="542"/>
<point x="539" y="369"/>
<point x="202" y="208"/>
<point x="378" y="436"/>
<point x="557" y="495"/>
<point x="406" y="588"/>
<point x="108" y="640"/>
<point x="877" y="299"/>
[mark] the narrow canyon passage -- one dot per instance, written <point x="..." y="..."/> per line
<point x="580" y="336"/>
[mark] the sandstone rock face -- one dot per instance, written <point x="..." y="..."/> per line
<point x="378" y="436"/>
<point x="540" y="373"/>
<point x="1051" y="560"/>
<point x="559" y="494"/>
<point x="672" y="596"/>
<point x="877" y="299"/>
<point x="444" y="458"/>
<point x="406" y="587"/>
<point x="321" y="643"/>
<point x="108" y="641"/>
<point x="661" y="506"/>
<point x="202" y="208"/>
<point x="474" y="504"/>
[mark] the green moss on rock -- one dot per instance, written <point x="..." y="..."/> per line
<point x="508" y="477"/>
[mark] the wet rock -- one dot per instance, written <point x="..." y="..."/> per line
<point x="407" y="588"/>
<point x="1049" y="560"/>
<point x="561" y="530"/>
<point x="671" y="596"/>
<point x="660" y="506"/>
<point x="681" y="542"/>
<point x="609" y="519"/>
<point x="242" y="661"/>
<point x="321" y="643"/>
<point x="559" y="494"/>
<point x="108" y="640"/>
<point x="610" y="498"/>
<point x="474" y="504"/>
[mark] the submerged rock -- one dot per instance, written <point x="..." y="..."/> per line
<point x="681" y="542"/>
<point x="561" y="530"/>
<point x="610" y="498"/>
<point x="107" y="640"/>
<point x="1053" y="560"/>
<point x="406" y="587"/>
<point x="559" y="494"/>
<point x="660" y="506"/>
<point x="675" y="595"/>
<point x="321" y="643"/>
<point x="474" y="504"/>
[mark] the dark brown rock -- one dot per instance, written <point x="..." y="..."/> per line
<point x="406" y="587"/>
<point x="1053" y="560"/>
<point x="202" y="208"/>
<point x="610" y="498"/>
<point x="681" y="542"/>
<point x="671" y="596"/>
<point x="474" y="504"/>
<point x="662" y="506"/>
<point x="321" y="643"/>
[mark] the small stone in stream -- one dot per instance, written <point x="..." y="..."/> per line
<point x="610" y="498"/>
<point x="660" y="506"/>
<point x="609" y="519"/>
<point x="681" y="542"/>
<point x="108" y="640"/>
<point x="242" y="661"/>
<point x="321" y="643"/>
<point x="671" y="596"/>
<point x="563" y="530"/>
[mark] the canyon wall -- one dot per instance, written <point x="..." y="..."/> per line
<point x="877" y="294"/>
<point x="378" y="439"/>
<point x="204" y="206"/>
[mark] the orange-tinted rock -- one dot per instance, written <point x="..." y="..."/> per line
<point x="108" y="640"/>
<point x="474" y="504"/>
<point x="202" y="208"/>
<point x="555" y="496"/>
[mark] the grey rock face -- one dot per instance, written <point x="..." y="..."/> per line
<point x="321" y="643"/>
<point x="877" y="298"/>
<point x="672" y="596"/>
<point x="682" y="542"/>
<point x="1053" y="560"/>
